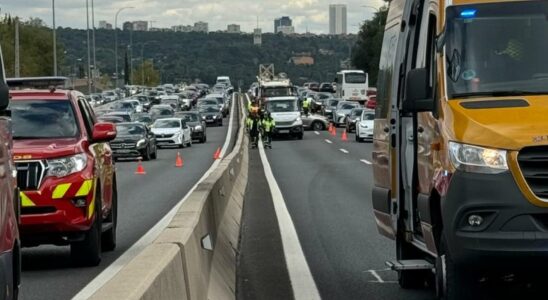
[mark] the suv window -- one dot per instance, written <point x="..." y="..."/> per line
<point x="41" y="119"/>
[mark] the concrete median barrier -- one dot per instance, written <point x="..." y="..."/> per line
<point x="195" y="256"/>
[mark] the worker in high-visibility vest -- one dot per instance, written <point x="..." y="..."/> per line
<point x="306" y="105"/>
<point x="268" y="124"/>
<point x="254" y="125"/>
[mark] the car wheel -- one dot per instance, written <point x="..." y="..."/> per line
<point x="108" y="238"/>
<point x="318" y="126"/>
<point x="88" y="251"/>
<point x="300" y="136"/>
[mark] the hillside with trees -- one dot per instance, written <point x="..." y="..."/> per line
<point x="197" y="56"/>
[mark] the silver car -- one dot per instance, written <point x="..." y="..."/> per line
<point x="315" y="122"/>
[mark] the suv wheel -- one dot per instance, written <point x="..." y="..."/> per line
<point x="108" y="238"/>
<point x="318" y="126"/>
<point x="88" y="251"/>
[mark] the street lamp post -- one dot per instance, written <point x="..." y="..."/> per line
<point x="89" y="47"/>
<point x="94" y="56"/>
<point x="54" y="40"/>
<point x="116" y="40"/>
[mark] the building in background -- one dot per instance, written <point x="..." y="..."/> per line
<point x="233" y="28"/>
<point x="183" y="28"/>
<point x="283" y="21"/>
<point x="140" y="26"/>
<point x="286" y="29"/>
<point x="337" y="19"/>
<point x="127" y="26"/>
<point x="257" y="37"/>
<point x="201" y="27"/>
<point x="104" y="25"/>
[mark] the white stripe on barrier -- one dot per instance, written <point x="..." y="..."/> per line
<point x="108" y="273"/>
<point x="301" y="278"/>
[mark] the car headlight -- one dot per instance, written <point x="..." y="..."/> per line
<point x="141" y="143"/>
<point x="298" y="122"/>
<point x="214" y="117"/>
<point x="477" y="159"/>
<point x="363" y="125"/>
<point x="198" y="128"/>
<point x="61" y="167"/>
<point x="341" y="115"/>
<point x="203" y="117"/>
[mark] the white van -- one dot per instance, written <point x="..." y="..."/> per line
<point x="352" y="85"/>
<point x="224" y="80"/>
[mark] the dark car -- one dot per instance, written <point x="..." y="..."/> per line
<point x="352" y="118"/>
<point x="134" y="140"/>
<point x="122" y="106"/>
<point x="161" y="112"/>
<point x="196" y="123"/>
<point x="211" y="115"/>
<point x="327" y="87"/>
<point x="314" y="86"/>
<point x="143" y="118"/>
<point x="110" y="119"/>
<point x="122" y="114"/>
<point x="319" y="102"/>
<point x="208" y="102"/>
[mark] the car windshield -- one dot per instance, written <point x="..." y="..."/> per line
<point x="144" y="119"/>
<point x="122" y="105"/>
<point x="209" y="102"/>
<point x="497" y="49"/>
<point x="355" y="78"/>
<point x="130" y="129"/>
<point x="161" y="112"/>
<point x="279" y="91"/>
<point x="333" y="103"/>
<point x="368" y="116"/>
<point x="125" y="117"/>
<point x="209" y="109"/>
<point x="110" y="119"/>
<point x="39" y="119"/>
<point x="346" y="105"/>
<point x="190" y="117"/>
<point x="167" y="124"/>
<point x="108" y="93"/>
<point x="281" y="106"/>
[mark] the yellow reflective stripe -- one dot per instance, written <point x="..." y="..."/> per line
<point x="25" y="200"/>
<point x="85" y="188"/>
<point x="60" y="190"/>
<point x="91" y="207"/>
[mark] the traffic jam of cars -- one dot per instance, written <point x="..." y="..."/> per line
<point x="59" y="148"/>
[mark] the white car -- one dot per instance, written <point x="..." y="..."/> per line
<point x="365" y="125"/>
<point x="136" y="105"/>
<point x="172" y="132"/>
<point x="110" y="96"/>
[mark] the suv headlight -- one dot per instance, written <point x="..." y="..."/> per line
<point x="198" y="128"/>
<point x="476" y="159"/>
<point x="61" y="167"/>
<point x="298" y="121"/>
<point x="141" y="143"/>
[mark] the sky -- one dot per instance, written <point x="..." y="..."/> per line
<point x="311" y="14"/>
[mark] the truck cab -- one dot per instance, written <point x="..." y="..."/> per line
<point x="10" y="205"/>
<point x="460" y="157"/>
<point x="287" y="116"/>
<point x="65" y="169"/>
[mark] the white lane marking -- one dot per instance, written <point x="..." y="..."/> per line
<point x="108" y="273"/>
<point x="365" y="161"/>
<point x="376" y="275"/>
<point x="317" y="133"/>
<point x="344" y="151"/>
<point x="329" y="141"/>
<point x="301" y="278"/>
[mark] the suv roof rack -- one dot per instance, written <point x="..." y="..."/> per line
<point x="46" y="82"/>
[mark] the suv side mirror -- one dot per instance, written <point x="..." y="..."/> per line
<point x="104" y="132"/>
<point x="416" y="92"/>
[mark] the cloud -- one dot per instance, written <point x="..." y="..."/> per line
<point x="311" y="14"/>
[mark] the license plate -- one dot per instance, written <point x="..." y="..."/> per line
<point x="123" y="151"/>
<point x="209" y="121"/>
<point x="284" y="131"/>
<point x="354" y="98"/>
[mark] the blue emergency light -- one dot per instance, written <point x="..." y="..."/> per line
<point x="468" y="13"/>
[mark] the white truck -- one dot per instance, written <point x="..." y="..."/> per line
<point x="287" y="115"/>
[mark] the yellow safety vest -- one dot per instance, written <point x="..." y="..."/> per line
<point x="268" y="125"/>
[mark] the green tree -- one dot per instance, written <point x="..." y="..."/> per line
<point x="151" y="75"/>
<point x="367" y="50"/>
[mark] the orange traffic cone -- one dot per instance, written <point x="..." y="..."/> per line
<point x="329" y="128"/>
<point x="344" y="137"/>
<point x="217" y="154"/>
<point x="179" y="161"/>
<point x="333" y="131"/>
<point x="140" y="169"/>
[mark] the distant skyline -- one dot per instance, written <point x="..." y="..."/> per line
<point x="311" y="14"/>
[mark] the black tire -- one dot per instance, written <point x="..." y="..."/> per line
<point x="410" y="279"/>
<point x="452" y="281"/>
<point x="146" y="154"/>
<point x="108" y="238"/>
<point x="203" y="140"/>
<point x="87" y="253"/>
<point x="318" y="126"/>
<point x="16" y="283"/>
<point x="358" y="138"/>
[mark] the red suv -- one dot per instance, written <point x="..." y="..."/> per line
<point x="65" y="170"/>
<point x="10" y="254"/>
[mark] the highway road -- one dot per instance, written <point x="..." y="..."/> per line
<point x="143" y="201"/>
<point x="326" y="187"/>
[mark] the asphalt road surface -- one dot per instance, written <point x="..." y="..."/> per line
<point x="143" y="201"/>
